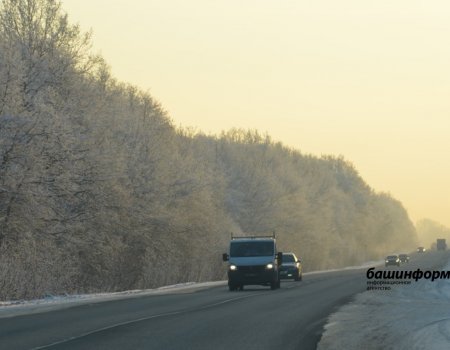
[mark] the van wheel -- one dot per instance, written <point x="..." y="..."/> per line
<point x="231" y="287"/>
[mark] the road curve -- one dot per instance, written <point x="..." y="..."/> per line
<point x="257" y="318"/>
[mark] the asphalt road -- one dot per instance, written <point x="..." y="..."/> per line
<point x="213" y="318"/>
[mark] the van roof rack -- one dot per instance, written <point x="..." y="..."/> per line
<point x="253" y="237"/>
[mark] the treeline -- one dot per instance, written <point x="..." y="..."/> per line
<point x="100" y="192"/>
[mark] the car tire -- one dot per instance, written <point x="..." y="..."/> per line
<point x="231" y="287"/>
<point x="273" y="285"/>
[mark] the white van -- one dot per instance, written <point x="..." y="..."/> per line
<point x="253" y="260"/>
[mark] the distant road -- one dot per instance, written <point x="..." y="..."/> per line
<point x="214" y="318"/>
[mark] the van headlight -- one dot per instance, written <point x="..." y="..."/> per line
<point x="269" y="266"/>
<point x="233" y="267"/>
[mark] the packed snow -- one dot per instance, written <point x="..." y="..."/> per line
<point x="51" y="302"/>
<point x="415" y="316"/>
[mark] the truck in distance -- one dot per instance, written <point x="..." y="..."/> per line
<point x="441" y="244"/>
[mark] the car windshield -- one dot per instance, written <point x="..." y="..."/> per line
<point x="288" y="258"/>
<point x="392" y="257"/>
<point x="253" y="248"/>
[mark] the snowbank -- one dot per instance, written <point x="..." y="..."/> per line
<point x="415" y="316"/>
<point x="363" y="266"/>
<point x="21" y="307"/>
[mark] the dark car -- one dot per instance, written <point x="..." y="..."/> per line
<point x="392" y="260"/>
<point x="291" y="267"/>
<point x="404" y="258"/>
<point x="421" y="250"/>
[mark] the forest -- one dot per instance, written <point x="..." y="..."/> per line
<point x="100" y="191"/>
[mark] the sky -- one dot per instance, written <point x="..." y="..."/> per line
<point x="368" y="80"/>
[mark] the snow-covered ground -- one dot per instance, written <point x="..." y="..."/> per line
<point x="21" y="307"/>
<point x="363" y="266"/>
<point x="415" y="316"/>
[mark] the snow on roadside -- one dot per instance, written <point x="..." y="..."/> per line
<point x="21" y="307"/>
<point x="415" y="316"/>
<point x="363" y="266"/>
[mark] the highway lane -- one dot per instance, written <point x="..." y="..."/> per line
<point x="214" y="318"/>
<point x="256" y="318"/>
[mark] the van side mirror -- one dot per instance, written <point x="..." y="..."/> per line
<point x="225" y="257"/>
<point x="280" y="258"/>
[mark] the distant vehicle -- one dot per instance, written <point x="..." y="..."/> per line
<point x="404" y="258"/>
<point x="441" y="244"/>
<point x="291" y="268"/>
<point x="392" y="260"/>
<point x="253" y="261"/>
<point x="421" y="250"/>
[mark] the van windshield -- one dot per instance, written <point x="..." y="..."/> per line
<point x="254" y="248"/>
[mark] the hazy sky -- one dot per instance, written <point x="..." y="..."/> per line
<point x="369" y="80"/>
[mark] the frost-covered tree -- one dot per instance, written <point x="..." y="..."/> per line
<point x="100" y="192"/>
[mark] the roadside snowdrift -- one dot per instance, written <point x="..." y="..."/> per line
<point x="415" y="316"/>
<point x="21" y="307"/>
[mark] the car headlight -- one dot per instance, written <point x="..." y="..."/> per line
<point x="387" y="260"/>
<point x="269" y="266"/>
<point x="233" y="267"/>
